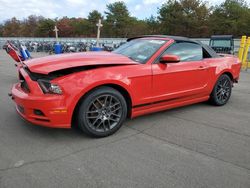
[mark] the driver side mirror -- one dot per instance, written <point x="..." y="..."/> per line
<point x="170" y="59"/>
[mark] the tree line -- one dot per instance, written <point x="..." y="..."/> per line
<point x="191" y="18"/>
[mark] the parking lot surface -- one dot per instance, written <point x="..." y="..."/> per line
<point x="198" y="146"/>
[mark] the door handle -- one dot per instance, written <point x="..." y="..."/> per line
<point x="202" y="67"/>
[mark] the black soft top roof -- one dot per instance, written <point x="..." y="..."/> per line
<point x="211" y="52"/>
<point x="222" y="37"/>
<point x="176" y="38"/>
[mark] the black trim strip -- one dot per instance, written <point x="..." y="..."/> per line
<point x="156" y="102"/>
<point x="44" y="120"/>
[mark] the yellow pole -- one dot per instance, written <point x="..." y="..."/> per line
<point x="242" y="46"/>
<point x="245" y="54"/>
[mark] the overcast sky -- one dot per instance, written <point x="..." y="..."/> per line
<point x="75" y="8"/>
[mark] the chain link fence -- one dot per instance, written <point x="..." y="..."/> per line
<point x="106" y="41"/>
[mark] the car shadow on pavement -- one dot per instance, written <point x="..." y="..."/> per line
<point x="47" y="131"/>
<point x="137" y="124"/>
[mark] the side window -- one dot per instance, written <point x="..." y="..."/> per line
<point x="186" y="51"/>
<point x="205" y="54"/>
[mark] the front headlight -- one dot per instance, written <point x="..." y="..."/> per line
<point x="48" y="87"/>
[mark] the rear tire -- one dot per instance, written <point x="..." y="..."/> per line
<point x="222" y="91"/>
<point x="102" y="112"/>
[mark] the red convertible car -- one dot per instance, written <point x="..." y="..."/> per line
<point x="97" y="91"/>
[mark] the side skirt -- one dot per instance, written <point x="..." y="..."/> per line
<point x="165" y="105"/>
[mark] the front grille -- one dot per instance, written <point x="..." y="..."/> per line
<point x="24" y="84"/>
<point x="223" y="50"/>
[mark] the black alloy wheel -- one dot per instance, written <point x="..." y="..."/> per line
<point x="102" y="112"/>
<point x="222" y="91"/>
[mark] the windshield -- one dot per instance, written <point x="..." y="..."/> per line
<point x="140" y="50"/>
<point x="221" y="43"/>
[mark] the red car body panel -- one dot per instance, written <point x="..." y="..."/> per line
<point x="53" y="63"/>
<point x="151" y="87"/>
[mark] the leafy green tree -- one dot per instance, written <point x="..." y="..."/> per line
<point x="184" y="17"/>
<point x="65" y="27"/>
<point x="12" y="28"/>
<point x="175" y="17"/>
<point x="29" y="25"/>
<point x="136" y="27"/>
<point x="231" y="17"/>
<point x="171" y="18"/>
<point x="117" y="19"/>
<point x="45" y="28"/>
<point x="152" y="25"/>
<point x="80" y="27"/>
<point x="93" y="19"/>
<point x="1" y="30"/>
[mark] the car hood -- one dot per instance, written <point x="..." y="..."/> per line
<point x="46" y="65"/>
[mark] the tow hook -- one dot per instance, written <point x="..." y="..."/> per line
<point x="11" y="96"/>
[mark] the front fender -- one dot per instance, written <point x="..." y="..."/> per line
<point x="103" y="83"/>
<point x="79" y="84"/>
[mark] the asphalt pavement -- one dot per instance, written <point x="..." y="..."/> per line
<point x="198" y="146"/>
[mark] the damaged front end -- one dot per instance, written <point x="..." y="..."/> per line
<point x="45" y="80"/>
<point x="59" y="73"/>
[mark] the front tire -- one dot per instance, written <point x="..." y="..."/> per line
<point x="222" y="91"/>
<point x="102" y="112"/>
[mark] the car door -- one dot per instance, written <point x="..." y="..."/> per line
<point x="189" y="77"/>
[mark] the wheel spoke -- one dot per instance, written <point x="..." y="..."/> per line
<point x="100" y="102"/>
<point x="109" y="124"/>
<point x="225" y="83"/>
<point x="225" y="97"/>
<point x="92" y="112"/>
<point x="110" y="101"/>
<point x="104" y="126"/>
<point x="218" y="92"/>
<point x="95" y="105"/>
<point x="95" y="122"/>
<point x="99" y="124"/>
<point x="114" y="110"/>
<point x="93" y="117"/>
<point x="114" y="105"/>
<point x="220" y="97"/>
<point x="113" y="119"/>
<point x="115" y="115"/>
<point x="105" y="101"/>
